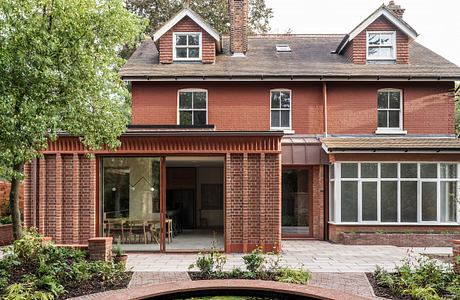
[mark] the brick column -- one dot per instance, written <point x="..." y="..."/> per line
<point x="42" y="195"/>
<point x="318" y="202"/>
<point x="58" y="199"/>
<point x="245" y="203"/>
<point x="75" y="198"/>
<point x="27" y="212"/>
<point x="262" y="211"/>
<point x="100" y="248"/>
<point x="456" y="256"/>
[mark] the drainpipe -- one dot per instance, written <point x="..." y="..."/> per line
<point x="325" y="107"/>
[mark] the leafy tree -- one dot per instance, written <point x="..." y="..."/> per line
<point x="58" y="70"/>
<point x="215" y="12"/>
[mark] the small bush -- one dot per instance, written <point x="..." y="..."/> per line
<point x="34" y="269"/>
<point x="210" y="263"/>
<point x="420" y="278"/>
<point x="290" y="275"/>
<point x="6" y="219"/>
<point x="254" y="261"/>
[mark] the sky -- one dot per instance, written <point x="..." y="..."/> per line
<point x="436" y="21"/>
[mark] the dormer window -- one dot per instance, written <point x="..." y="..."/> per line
<point x="187" y="46"/>
<point x="381" y="46"/>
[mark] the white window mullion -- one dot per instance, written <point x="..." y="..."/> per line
<point x="379" y="198"/>
<point x="398" y="192"/>
<point x="360" y="195"/>
<point x="338" y="192"/>
<point x="438" y="194"/>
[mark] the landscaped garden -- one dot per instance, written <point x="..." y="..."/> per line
<point x="421" y="278"/>
<point x="33" y="268"/>
<point x="258" y="265"/>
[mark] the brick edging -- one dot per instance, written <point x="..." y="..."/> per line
<point x="232" y="284"/>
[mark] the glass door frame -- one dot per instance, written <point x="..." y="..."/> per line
<point x="310" y="201"/>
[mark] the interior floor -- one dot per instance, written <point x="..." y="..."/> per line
<point x="187" y="240"/>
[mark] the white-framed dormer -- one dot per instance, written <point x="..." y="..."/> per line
<point x="280" y="102"/>
<point x="187" y="46"/>
<point x="192" y="107"/>
<point x="390" y="111"/>
<point x="381" y="46"/>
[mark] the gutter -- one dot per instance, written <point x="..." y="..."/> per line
<point x="290" y="78"/>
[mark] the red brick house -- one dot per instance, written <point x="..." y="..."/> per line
<point x="247" y="140"/>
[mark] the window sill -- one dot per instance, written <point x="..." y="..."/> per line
<point x="391" y="131"/>
<point x="284" y="130"/>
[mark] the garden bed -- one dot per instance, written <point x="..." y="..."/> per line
<point x="34" y="268"/>
<point x="416" y="278"/>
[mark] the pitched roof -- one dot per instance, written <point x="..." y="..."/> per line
<point x="310" y="59"/>
<point x="381" y="11"/>
<point x="186" y="12"/>
<point x="404" y="144"/>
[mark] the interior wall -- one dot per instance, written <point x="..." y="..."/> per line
<point x="209" y="175"/>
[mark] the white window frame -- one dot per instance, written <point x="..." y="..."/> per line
<point x="392" y="130"/>
<point x="338" y="201"/>
<point x="191" y="90"/>
<point x="393" y="57"/>
<point x="286" y="129"/>
<point x="200" y="46"/>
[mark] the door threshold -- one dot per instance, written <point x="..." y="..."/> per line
<point x="299" y="238"/>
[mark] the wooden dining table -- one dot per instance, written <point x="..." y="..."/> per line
<point x="143" y="226"/>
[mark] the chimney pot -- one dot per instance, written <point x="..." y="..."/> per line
<point x="238" y="10"/>
<point x="396" y="9"/>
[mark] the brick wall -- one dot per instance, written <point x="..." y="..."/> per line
<point x="5" y="196"/>
<point x="422" y="236"/>
<point x="318" y="202"/>
<point x="253" y="202"/>
<point x="429" y="108"/>
<point x="356" y="49"/>
<point x="352" y="106"/>
<point x="6" y="234"/>
<point x="208" y="49"/>
<point x="64" y="206"/>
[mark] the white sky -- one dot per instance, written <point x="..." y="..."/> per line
<point x="436" y="21"/>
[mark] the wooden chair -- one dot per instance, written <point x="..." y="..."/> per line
<point x="115" y="228"/>
<point x="137" y="228"/>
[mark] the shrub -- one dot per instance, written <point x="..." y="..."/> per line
<point x="290" y="275"/>
<point x="254" y="261"/>
<point x="209" y="263"/>
<point x="6" y="219"/>
<point x="43" y="271"/>
<point x="420" y="278"/>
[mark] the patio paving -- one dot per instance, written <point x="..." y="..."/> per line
<point x="317" y="256"/>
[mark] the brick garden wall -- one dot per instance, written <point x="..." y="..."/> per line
<point x="253" y="202"/>
<point x="5" y="196"/>
<point x="6" y="234"/>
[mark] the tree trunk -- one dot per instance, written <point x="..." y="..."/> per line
<point x="14" y="202"/>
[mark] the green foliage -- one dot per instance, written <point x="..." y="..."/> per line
<point x="210" y="263"/>
<point x="6" y="219"/>
<point x="118" y="250"/>
<point x="254" y="261"/>
<point x="46" y="271"/>
<point x="421" y="278"/>
<point x="59" y="73"/>
<point x="215" y="12"/>
<point x="291" y="275"/>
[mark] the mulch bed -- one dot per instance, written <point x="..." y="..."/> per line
<point x="384" y="292"/>
<point x="92" y="286"/>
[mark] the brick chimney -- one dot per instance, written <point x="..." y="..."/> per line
<point x="396" y="9"/>
<point x="238" y="10"/>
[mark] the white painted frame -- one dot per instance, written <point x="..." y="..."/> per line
<point x="393" y="41"/>
<point x="281" y="109"/>
<point x="191" y="90"/>
<point x="337" y="195"/>
<point x="392" y="130"/>
<point x="200" y="46"/>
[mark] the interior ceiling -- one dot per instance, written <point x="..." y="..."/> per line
<point x="194" y="161"/>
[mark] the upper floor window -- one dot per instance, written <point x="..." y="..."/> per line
<point x="381" y="45"/>
<point x="280" y="109"/>
<point x="187" y="46"/>
<point x="389" y="105"/>
<point x="193" y="107"/>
